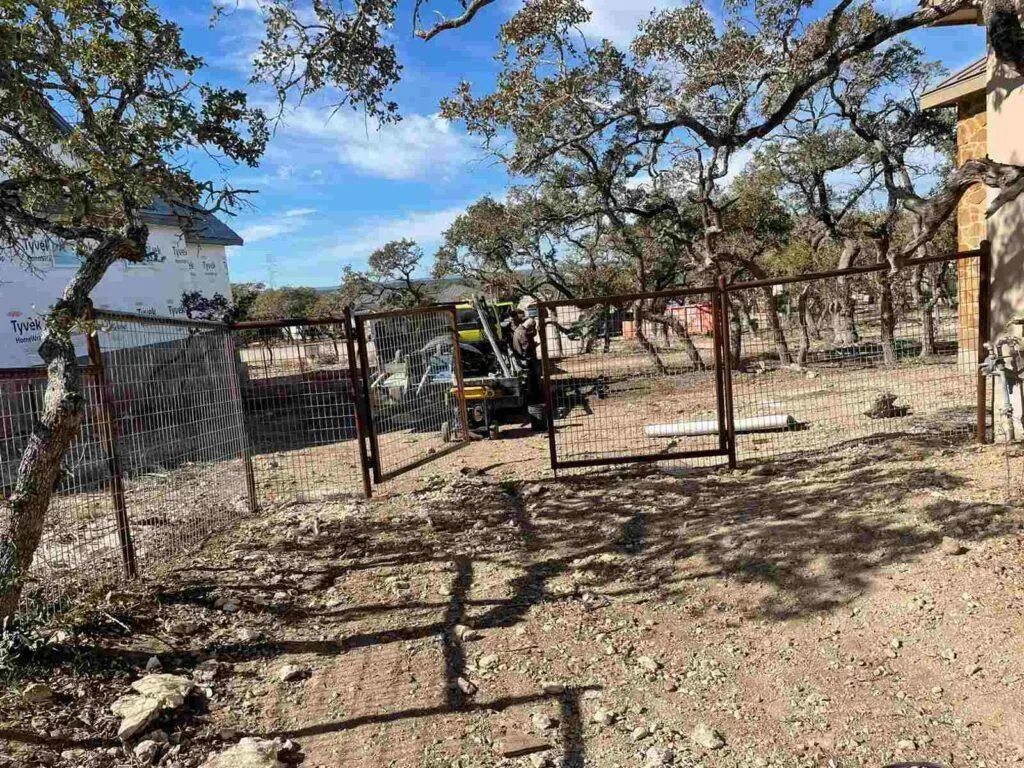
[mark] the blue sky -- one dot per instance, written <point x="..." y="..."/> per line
<point x="332" y="189"/>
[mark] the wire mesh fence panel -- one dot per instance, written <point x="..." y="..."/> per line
<point x="825" y="362"/>
<point x="179" y="430"/>
<point x="80" y="548"/>
<point x="632" y="379"/>
<point x="412" y="379"/>
<point x="299" y="395"/>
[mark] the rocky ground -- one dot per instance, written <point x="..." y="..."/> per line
<point x="853" y="608"/>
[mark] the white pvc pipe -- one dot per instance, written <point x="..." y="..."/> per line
<point x="694" y="428"/>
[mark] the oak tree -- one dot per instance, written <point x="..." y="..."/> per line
<point x="101" y="111"/>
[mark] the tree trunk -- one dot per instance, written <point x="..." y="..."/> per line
<point x="641" y="337"/>
<point x="778" y="334"/>
<point x="844" y="325"/>
<point x="679" y="326"/>
<point x="607" y="334"/>
<point x="556" y="340"/>
<point x="805" y="334"/>
<point x="23" y="513"/>
<point x="814" y="322"/>
<point x="735" y="334"/>
<point x="887" y="320"/>
<point x="925" y="302"/>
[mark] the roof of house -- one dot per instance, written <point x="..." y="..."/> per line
<point x="203" y="228"/>
<point x="965" y="82"/>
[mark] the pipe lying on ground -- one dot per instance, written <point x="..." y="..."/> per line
<point x="710" y="427"/>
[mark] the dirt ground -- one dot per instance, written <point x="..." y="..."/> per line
<point x="850" y="608"/>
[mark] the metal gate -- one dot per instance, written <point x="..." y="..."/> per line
<point x="411" y="374"/>
<point x="300" y="384"/>
<point x="636" y="378"/>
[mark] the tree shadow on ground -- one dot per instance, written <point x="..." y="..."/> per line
<point x="811" y="533"/>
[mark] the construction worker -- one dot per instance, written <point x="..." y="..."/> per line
<point x="524" y="345"/>
<point x="508" y="326"/>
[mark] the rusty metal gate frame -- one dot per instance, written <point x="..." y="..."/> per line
<point x="370" y="446"/>
<point x="723" y="377"/>
<point x="345" y="321"/>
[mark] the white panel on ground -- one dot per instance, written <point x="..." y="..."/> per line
<point x="710" y="427"/>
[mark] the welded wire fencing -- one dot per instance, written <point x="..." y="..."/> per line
<point x="849" y="358"/>
<point x="618" y="370"/>
<point x="299" y="383"/>
<point x="190" y="425"/>
<point x="178" y="429"/>
<point x="81" y="546"/>
<point x="412" y="386"/>
<point x="758" y="370"/>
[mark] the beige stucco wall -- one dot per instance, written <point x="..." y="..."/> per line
<point x="1005" y="98"/>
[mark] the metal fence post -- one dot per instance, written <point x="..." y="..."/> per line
<point x="108" y="430"/>
<point x="549" y="400"/>
<point x="355" y="374"/>
<point x="460" y="390"/>
<point x="718" y="331"/>
<point x="984" y="310"/>
<point x="364" y="365"/>
<point x="730" y="425"/>
<point x="235" y="379"/>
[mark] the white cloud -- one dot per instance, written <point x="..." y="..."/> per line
<point x="618" y="20"/>
<point x="320" y="260"/>
<point x="425" y="227"/>
<point x="419" y="146"/>
<point x="279" y="224"/>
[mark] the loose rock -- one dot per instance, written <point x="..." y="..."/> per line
<point x="37" y="693"/>
<point x="604" y="717"/>
<point x="146" y="751"/>
<point x="647" y="664"/>
<point x="289" y="673"/>
<point x="157" y="693"/>
<point x="655" y="757"/>
<point x="248" y="753"/>
<point x="705" y="736"/>
<point x="951" y="547"/>
<point x="544" y="722"/>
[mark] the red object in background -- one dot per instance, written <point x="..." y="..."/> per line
<point x="698" y="319"/>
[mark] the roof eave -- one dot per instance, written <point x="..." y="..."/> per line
<point x="960" y="18"/>
<point x="228" y="236"/>
<point x="951" y="95"/>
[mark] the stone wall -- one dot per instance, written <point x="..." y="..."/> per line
<point x="971" y="142"/>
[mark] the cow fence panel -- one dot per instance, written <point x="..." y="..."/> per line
<point x="620" y="370"/>
<point x="412" y="384"/>
<point x="298" y="381"/>
<point x="854" y="358"/>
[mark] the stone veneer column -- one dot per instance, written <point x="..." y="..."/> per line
<point x="971" y="142"/>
